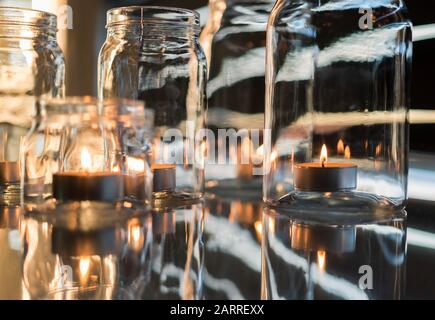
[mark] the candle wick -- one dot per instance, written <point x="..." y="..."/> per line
<point x="323" y="163"/>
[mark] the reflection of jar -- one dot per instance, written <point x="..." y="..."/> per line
<point x="32" y="66"/>
<point x="73" y="252"/>
<point x="338" y="76"/>
<point x="152" y="54"/>
<point x="349" y="259"/>
<point x="235" y="44"/>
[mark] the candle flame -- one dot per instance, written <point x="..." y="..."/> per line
<point x="340" y="147"/>
<point x="86" y="159"/>
<point x="347" y="152"/>
<point x="324" y="155"/>
<point x="135" y="165"/>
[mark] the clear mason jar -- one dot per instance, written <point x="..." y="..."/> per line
<point x="234" y="41"/>
<point x="152" y="54"/>
<point x="31" y="67"/>
<point x="338" y="80"/>
<point x="84" y="150"/>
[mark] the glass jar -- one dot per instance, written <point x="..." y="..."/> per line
<point x="337" y="99"/>
<point x="152" y="54"/>
<point x="234" y="40"/>
<point x="83" y="150"/>
<point x="32" y="67"/>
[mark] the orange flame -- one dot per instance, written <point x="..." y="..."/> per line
<point x="347" y="152"/>
<point x="340" y="147"/>
<point x="324" y="155"/>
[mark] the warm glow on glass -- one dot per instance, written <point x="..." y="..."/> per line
<point x="324" y="155"/>
<point x="86" y="159"/>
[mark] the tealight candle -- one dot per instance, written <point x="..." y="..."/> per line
<point x="87" y="186"/>
<point x="324" y="176"/>
<point x="163" y="177"/>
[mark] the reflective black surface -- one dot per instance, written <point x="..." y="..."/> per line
<point x="212" y="250"/>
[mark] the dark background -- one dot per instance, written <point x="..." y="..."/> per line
<point x="88" y="35"/>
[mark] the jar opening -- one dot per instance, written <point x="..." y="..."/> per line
<point x="27" y="17"/>
<point x="148" y="15"/>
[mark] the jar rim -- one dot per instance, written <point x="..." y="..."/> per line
<point x="14" y="16"/>
<point x="153" y="15"/>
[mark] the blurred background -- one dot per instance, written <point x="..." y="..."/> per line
<point x="81" y="45"/>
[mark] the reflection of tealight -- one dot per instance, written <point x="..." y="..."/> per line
<point x="324" y="176"/>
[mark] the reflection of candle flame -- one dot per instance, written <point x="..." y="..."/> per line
<point x="378" y="150"/>
<point x="258" y="229"/>
<point x="340" y="147"/>
<point x="86" y="159"/>
<point x="84" y="269"/>
<point x="135" y="236"/>
<point x="347" y="152"/>
<point x="135" y="165"/>
<point x="115" y="168"/>
<point x="324" y="156"/>
<point x="321" y="260"/>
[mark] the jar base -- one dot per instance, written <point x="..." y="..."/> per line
<point x="339" y="207"/>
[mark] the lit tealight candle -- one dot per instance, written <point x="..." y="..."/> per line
<point x="87" y="186"/>
<point x="324" y="176"/>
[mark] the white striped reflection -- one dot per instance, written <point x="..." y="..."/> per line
<point x="332" y="284"/>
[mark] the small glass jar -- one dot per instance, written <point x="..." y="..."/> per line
<point x="152" y="54"/>
<point x="32" y="67"/>
<point x="234" y="41"/>
<point x="337" y="99"/>
<point x="71" y="154"/>
<point x="133" y="125"/>
<point x="83" y="150"/>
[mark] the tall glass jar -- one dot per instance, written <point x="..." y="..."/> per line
<point x="337" y="99"/>
<point x="234" y="40"/>
<point x="152" y="54"/>
<point x="31" y="67"/>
